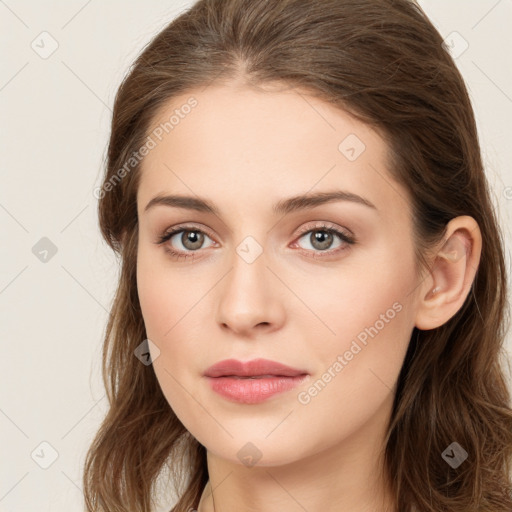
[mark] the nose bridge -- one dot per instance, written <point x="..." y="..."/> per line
<point x="247" y="280"/>
<point x="248" y="296"/>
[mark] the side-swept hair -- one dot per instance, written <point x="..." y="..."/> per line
<point x="383" y="61"/>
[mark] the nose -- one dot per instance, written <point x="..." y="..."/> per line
<point x="250" y="298"/>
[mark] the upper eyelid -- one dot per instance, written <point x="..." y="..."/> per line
<point x="319" y="225"/>
<point x="324" y="225"/>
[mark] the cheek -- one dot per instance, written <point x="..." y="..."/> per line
<point x="161" y="293"/>
<point x="374" y="291"/>
<point x="371" y="316"/>
<point x="173" y="312"/>
<point x="367" y="316"/>
<point x="154" y="305"/>
<point x="170" y="323"/>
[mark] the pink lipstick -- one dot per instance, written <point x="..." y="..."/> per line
<point x="253" y="381"/>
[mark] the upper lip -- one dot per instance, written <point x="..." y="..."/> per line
<point x="255" y="367"/>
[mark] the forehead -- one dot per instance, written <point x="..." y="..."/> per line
<point x="256" y="145"/>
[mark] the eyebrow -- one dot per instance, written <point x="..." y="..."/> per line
<point x="282" y="207"/>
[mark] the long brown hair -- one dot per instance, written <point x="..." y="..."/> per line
<point x="384" y="62"/>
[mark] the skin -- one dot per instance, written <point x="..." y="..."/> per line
<point x="243" y="150"/>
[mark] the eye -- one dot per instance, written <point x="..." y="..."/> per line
<point x="188" y="238"/>
<point x="321" y="238"/>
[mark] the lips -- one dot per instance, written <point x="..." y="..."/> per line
<point x="253" y="382"/>
<point x="256" y="368"/>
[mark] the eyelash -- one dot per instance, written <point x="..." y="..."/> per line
<point x="322" y="227"/>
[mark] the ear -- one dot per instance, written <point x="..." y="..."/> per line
<point x="451" y="275"/>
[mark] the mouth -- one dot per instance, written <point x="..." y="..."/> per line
<point x="254" y="381"/>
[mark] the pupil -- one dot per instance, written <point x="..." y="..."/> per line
<point x="192" y="239"/>
<point x="321" y="239"/>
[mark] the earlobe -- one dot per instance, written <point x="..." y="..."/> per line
<point x="451" y="275"/>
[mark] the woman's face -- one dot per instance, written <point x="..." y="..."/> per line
<point x="263" y="277"/>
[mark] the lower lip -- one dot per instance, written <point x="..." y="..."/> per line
<point x="253" y="391"/>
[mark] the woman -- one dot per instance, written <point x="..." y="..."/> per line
<point x="311" y="308"/>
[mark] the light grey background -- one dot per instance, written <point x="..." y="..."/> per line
<point x="55" y="115"/>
